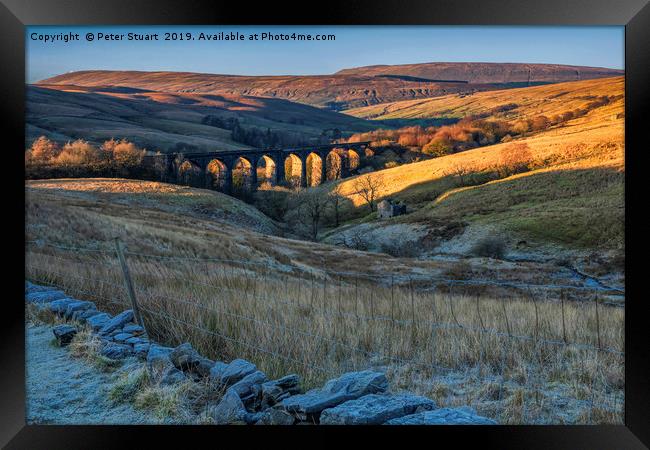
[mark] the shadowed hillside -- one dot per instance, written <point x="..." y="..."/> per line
<point x="167" y="121"/>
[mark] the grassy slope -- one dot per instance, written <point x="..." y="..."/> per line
<point x="574" y="198"/>
<point x="547" y="99"/>
<point x="181" y="200"/>
<point x="159" y="218"/>
<point x="160" y="120"/>
<point x="346" y="89"/>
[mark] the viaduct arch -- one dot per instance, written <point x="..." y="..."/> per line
<point x="214" y="170"/>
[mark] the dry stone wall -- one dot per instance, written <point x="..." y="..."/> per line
<point x="354" y="398"/>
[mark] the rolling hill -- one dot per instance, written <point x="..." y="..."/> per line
<point x="497" y="73"/>
<point x="346" y="89"/>
<point x="161" y="121"/>
<point x="548" y="99"/>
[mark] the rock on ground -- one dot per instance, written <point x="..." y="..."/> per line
<point x="64" y="334"/>
<point x="275" y="416"/>
<point x="98" y="320"/>
<point x="229" y="410"/>
<point x="117" y="322"/>
<point x="444" y="416"/>
<point x="375" y="409"/>
<point x="277" y="390"/>
<point x="244" y="386"/>
<point x="45" y="296"/>
<point x="349" y="386"/>
<point x="236" y="370"/>
<point x="116" y="351"/>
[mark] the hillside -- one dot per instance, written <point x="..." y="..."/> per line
<point x="162" y="121"/>
<point x="344" y="90"/>
<point x="476" y="72"/>
<point x="188" y="203"/>
<point x="570" y="204"/>
<point x="527" y="102"/>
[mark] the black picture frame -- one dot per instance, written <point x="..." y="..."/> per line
<point x="633" y="14"/>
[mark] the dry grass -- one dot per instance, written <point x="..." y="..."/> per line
<point x="87" y="345"/>
<point x="288" y="324"/>
<point x="548" y="100"/>
<point x="577" y="172"/>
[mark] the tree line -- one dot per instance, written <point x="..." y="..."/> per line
<point x="47" y="159"/>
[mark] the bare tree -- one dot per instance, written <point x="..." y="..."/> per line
<point x="309" y="207"/>
<point x="459" y="171"/>
<point x="336" y="198"/>
<point x="369" y="187"/>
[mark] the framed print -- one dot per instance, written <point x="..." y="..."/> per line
<point x="407" y="217"/>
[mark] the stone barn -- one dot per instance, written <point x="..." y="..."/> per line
<point x="389" y="208"/>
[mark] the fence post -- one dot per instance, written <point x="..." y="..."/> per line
<point x="562" y="294"/>
<point x="505" y="315"/>
<point x="414" y="328"/>
<point x="597" y="322"/>
<point x="128" y="283"/>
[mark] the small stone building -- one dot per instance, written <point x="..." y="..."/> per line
<point x="390" y="208"/>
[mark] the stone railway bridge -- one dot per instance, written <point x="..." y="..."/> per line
<point x="214" y="170"/>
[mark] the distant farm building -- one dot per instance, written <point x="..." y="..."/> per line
<point x="389" y="208"/>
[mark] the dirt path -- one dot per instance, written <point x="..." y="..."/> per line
<point x="66" y="390"/>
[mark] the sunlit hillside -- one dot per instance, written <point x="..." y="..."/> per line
<point x="571" y="197"/>
<point x="527" y="102"/>
<point x="348" y="88"/>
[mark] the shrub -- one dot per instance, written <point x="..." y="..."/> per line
<point x="490" y="247"/>
<point x="514" y="158"/>
<point x="437" y="148"/>
<point x="44" y="150"/>
<point x="79" y="152"/>
<point x="405" y="249"/>
<point x="127" y="154"/>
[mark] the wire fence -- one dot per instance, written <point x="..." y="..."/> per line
<point x="320" y="322"/>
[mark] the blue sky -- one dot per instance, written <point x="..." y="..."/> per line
<point x="354" y="46"/>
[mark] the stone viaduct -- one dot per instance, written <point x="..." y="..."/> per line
<point x="208" y="167"/>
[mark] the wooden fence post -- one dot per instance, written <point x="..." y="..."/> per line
<point x="128" y="283"/>
<point x="562" y="294"/>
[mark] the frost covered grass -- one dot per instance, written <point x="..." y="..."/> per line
<point x="87" y="346"/>
<point x="504" y="356"/>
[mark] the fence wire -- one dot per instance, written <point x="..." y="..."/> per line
<point x="151" y="279"/>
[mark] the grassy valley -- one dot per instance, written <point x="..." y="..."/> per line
<point x="499" y="288"/>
